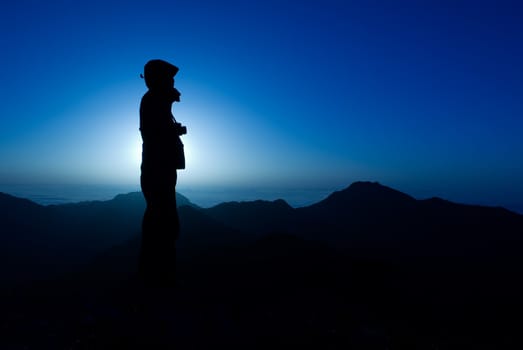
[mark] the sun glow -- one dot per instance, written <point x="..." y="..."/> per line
<point x="136" y="152"/>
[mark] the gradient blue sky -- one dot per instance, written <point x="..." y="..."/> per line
<point x="423" y="96"/>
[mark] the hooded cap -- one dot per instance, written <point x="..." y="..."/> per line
<point x="155" y="72"/>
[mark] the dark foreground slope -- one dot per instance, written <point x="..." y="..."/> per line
<point x="368" y="267"/>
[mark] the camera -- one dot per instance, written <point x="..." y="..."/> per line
<point x="180" y="129"/>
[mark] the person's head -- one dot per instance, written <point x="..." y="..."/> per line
<point x="159" y="75"/>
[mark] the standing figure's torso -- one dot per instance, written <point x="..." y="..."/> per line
<point x="158" y="131"/>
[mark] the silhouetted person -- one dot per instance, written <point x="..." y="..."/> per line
<point x="162" y="155"/>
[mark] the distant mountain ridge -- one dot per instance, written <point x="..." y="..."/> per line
<point x="364" y="219"/>
<point x="372" y="219"/>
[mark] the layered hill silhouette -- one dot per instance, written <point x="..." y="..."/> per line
<point x="367" y="267"/>
<point x="373" y="220"/>
<point x="37" y="241"/>
<point x="365" y="219"/>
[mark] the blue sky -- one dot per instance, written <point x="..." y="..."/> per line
<point x="423" y="96"/>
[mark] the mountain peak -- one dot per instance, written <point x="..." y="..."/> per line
<point x="369" y="188"/>
<point x="366" y="193"/>
<point x="367" y="185"/>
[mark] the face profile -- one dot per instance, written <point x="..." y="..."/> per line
<point x="176" y="94"/>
